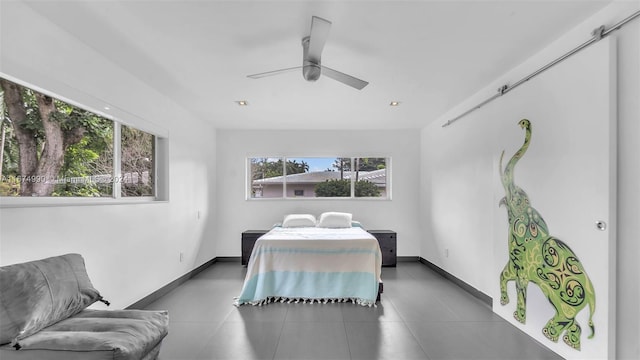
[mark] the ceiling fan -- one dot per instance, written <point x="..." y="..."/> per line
<point x="312" y="46"/>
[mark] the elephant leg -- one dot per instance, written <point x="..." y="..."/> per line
<point x="556" y="326"/>
<point x="507" y="274"/>
<point x="521" y="290"/>
<point x="572" y="336"/>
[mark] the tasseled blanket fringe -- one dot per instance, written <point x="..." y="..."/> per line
<point x="288" y="300"/>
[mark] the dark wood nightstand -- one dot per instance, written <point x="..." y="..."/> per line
<point x="387" y="240"/>
<point x="249" y="238"/>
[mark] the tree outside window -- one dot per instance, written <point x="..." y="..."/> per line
<point x="137" y="162"/>
<point x="52" y="148"/>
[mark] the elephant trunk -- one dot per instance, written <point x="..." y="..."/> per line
<point x="507" y="175"/>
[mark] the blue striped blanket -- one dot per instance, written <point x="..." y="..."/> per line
<point x="313" y="264"/>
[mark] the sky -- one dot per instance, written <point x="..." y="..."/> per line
<point x="316" y="164"/>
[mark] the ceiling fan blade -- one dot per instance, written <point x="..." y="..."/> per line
<point x="318" y="36"/>
<point x="274" y="72"/>
<point x="344" y="78"/>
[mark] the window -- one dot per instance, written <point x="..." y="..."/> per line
<point x="313" y="177"/>
<point x="51" y="148"/>
<point x="136" y="162"/>
<point x="265" y="172"/>
<point x="370" y="177"/>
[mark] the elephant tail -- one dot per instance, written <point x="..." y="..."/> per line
<point x="592" y="309"/>
<point x="500" y="165"/>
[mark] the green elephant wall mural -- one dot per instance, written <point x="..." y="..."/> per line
<point x="536" y="256"/>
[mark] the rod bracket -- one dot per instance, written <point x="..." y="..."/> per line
<point x="503" y="89"/>
<point x="598" y="32"/>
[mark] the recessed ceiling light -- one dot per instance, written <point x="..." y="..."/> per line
<point x="394" y="103"/>
<point x="242" y="102"/>
<point x="107" y="108"/>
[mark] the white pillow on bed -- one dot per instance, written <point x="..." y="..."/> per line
<point x="299" y="220"/>
<point x="335" y="220"/>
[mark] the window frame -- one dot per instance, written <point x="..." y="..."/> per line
<point x="160" y="167"/>
<point x="285" y="197"/>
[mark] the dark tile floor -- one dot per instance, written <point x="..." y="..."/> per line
<point x="421" y="316"/>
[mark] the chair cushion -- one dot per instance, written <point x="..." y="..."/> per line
<point x="97" y="334"/>
<point x="36" y="294"/>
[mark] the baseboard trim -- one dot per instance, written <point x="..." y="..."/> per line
<point x="229" y="258"/>
<point x="407" y="258"/>
<point x="147" y="300"/>
<point x="488" y="300"/>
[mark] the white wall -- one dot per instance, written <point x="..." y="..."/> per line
<point x="472" y="175"/>
<point x="130" y="250"/>
<point x="235" y="214"/>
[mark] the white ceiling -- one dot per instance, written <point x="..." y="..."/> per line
<point x="429" y="55"/>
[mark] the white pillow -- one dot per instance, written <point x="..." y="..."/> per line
<point x="335" y="220"/>
<point x="299" y="220"/>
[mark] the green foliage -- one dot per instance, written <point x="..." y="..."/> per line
<point x="333" y="188"/>
<point x="366" y="188"/>
<point x="9" y="186"/>
<point x="71" y="117"/>
<point x="342" y="164"/>
<point x="82" y="159"/>
<point x="77" y="158"/>
<point x="342" y="188"/>
<point x="79" y="165"/>
<point x="137" y="162"/>
<point x="10" y="154"/>
<point x="370" y="164"/>
<point x="81" y="189"/>
<point x="263" y="168"/>
<point x="361" y="164"/>
<point x="294" y="167"/>
<point x="33" y="122"/>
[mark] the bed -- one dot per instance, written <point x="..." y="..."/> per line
<point x="313" y="264"/>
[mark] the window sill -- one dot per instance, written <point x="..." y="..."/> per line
<point x="301" y="198"/>
<point x="27" y="202"/>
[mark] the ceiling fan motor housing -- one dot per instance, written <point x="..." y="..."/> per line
<point x="311" y="69"/>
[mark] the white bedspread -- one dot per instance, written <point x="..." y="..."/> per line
<point x="313" y="264"/>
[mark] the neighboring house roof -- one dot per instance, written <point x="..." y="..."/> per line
<point x="379" y="177"/>
<point x="376" y="176"/>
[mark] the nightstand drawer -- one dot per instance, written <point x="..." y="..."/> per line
<point x="388" y="246"/>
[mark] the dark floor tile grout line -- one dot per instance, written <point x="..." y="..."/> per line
<point x="344" y="326"/>
<point x="275" y="351"/>
<point x="399" y="308"/>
